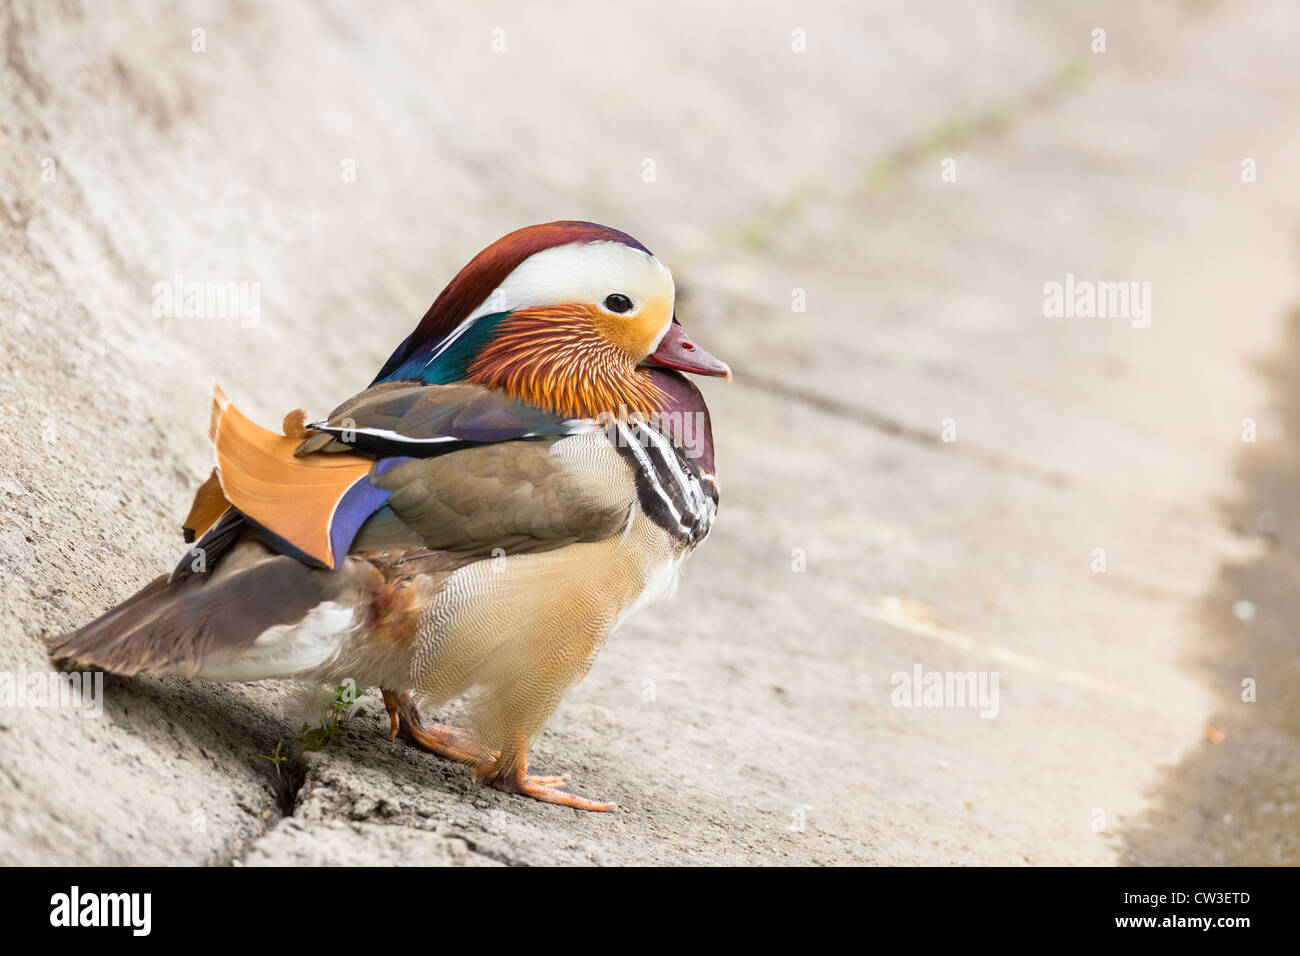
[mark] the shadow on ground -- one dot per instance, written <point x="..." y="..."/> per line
<point x="1237" y="801"/>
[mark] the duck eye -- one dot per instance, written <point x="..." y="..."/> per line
<point x="618" y="302"/>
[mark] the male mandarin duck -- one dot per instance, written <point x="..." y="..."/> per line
<point x="527" y="470"/>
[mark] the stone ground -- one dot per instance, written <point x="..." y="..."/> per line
<point x="749" y="720"/>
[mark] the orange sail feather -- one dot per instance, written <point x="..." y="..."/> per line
<point x="294" y="498"/>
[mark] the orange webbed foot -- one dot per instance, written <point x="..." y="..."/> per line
<point x="547" y="790"/>
<point x="505" y="771"/>
<point x="454" y="743"/>
<point x="509" y="774"/>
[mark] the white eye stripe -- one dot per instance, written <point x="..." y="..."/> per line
<point x="577" y="272"/>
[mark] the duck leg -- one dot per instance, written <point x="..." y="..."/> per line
<point x="508" y="772"/>
<point x="454" y="743"/>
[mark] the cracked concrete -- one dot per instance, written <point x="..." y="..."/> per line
<point x="750" y="720"/>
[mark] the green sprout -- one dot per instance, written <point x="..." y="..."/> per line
<point x="336" y="718"/>
<point x="276" y="757"/>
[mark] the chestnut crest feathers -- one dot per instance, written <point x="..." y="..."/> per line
<point x="557" y="315"/>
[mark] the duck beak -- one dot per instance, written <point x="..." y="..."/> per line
<point x="676" y="350"/>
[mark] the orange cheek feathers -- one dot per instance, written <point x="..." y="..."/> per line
<point x="560" y="358"/>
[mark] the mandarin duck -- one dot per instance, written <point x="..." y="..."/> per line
<point x="528" y="469"/>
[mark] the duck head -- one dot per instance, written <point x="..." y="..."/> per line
<point x="566" y="316"/>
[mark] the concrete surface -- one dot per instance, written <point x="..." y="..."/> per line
<point x="750" y="720"/>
